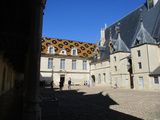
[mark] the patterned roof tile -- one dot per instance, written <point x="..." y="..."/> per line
<point x="84" y="49"/>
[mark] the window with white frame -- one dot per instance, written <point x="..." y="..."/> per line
<point x="63" y="52"/>
<point x="156" y="80"/>
<point x="62" y="64"/>
<point x="51" y="49"/>
<point x="101" y="64"/>
<point x="73" y="64"/>
<point x="74" y="51"/>
<point x="50" y="63"/>
<point x="84" y="65"/>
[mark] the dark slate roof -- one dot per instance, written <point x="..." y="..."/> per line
<point x="130" y="26"/>
<point x="156" y="72"/>
<point x="119" y="45"/>
<point x="143" y="37"/>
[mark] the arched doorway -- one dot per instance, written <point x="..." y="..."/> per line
<point x="93" y="79"/>
<point x="3" y="79"/>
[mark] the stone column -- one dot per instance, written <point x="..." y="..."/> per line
<point x="32" y="110"/>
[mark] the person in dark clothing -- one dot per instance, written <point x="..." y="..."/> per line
<point x="60" y="85"/>
<point x="69" y="83"/>
<point x="51" y="84"/>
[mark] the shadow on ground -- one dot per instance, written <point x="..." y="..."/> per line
<point x="74" y="105"/>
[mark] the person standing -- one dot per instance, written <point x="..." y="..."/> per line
<point x="69" y="83"/>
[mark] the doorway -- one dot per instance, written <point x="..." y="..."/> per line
<point x="62" y="79"/>
<point x="141" y="83"/>
<point x="93" y="79"/>
<point x="131" y="78"/>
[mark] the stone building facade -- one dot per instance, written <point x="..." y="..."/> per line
<point x="127" y="54"/>
<point x="131" y="47"/>
<point x="62" y="60"/>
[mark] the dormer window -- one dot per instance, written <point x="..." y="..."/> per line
<point x="63" y="52"/>
<point x="51" y="49"/>
<point x="74" y="51"/>
<point x="137" y="42"/>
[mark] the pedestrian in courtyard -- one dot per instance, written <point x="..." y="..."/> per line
<point x="88" y="83"/>
<point x="115" y="85"/>
<point x="69" y="83"/>
<point x="60" y="85"/>
<point x="51" y="84"/>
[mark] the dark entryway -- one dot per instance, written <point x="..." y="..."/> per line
<point x="62" y="79"/>
<point x="93" y="79"/>
<point x="131" y="78"/>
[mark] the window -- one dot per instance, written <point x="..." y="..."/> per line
<point x="84" y="65"/>
<point x="139" y="53"/>
<point x="140" y="65"/>
<point x="94" y="65"/>
<point x="50" y="63"/>
<point x="73" y="64"/>
<point x="104" y="77"/>
<point x="62" y="65"/>
<point x="156" y="81"/>
<point x="116" y="81"/>
<point x="101" y="64"/>
<point x="51" y="50"/>
<point x="63" y="52"/>
<point x="115" y="58"/>
<point x="99" y="78"/>
<point x="115" y="67"/>
<point x="74" y="52"/>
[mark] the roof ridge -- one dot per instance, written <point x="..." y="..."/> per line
<point x="69" y="40"/>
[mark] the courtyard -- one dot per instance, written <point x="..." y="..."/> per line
<point x="101" y="103"/>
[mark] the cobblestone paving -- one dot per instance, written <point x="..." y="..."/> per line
<point x="101" y="103"/>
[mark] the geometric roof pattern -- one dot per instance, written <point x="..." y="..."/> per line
<point x="84" y="49"/>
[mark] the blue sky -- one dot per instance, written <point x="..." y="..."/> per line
<point x="82" y="20"/>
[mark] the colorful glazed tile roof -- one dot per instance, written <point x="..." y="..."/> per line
<point x="84" y="49"/>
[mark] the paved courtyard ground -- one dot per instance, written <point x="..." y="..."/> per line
<point x="102" y="103"/>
